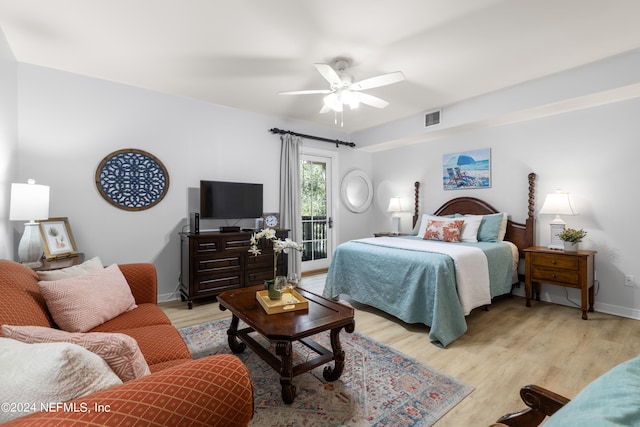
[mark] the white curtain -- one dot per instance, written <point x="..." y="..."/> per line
<point x="290" y="212"/>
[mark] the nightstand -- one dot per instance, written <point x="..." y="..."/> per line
<point x="62" y="262"/>
<point x="570" y="269"/>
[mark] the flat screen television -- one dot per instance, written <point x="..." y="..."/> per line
<point x="230" y="200"/>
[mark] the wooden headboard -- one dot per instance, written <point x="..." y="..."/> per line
<point x="522" y="235"/>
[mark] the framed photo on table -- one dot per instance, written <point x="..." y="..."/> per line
<point x="57" y="239"/>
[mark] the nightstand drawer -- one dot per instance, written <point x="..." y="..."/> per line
<point x="568" y="277"/>
<point x="555" y="261"/>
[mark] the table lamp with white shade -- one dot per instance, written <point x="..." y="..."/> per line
<point x="396" y="207"/>
<point x="29" y="202"/>
<point x="557" y="204"/>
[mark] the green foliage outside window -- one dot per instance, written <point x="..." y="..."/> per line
<point x="313" y="194"/>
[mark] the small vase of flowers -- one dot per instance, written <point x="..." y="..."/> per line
<point x="279" y="246"/>
<point x="571" y="238"/>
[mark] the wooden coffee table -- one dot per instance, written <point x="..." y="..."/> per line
<point x="283" y="329"/>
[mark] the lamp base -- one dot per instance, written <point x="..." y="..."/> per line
<point x="30" y="246"/>
<point x="556" y="228"/>
<point x="395" y="225"/>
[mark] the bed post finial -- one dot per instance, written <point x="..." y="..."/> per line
<point x="532" y="194"/>
<point x="417" y="202"/>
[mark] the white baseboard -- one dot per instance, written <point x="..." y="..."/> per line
<point x="615" y="310"/>
<point x="631" y="313"/>
<point x="173" y="296"/>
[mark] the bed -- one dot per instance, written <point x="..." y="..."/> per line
<point x="431" y="281"/>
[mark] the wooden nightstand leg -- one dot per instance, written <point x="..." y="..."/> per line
<point x="591" y="298"/>
<point x="585" y="294"/>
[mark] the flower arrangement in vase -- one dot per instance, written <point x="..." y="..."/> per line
<point x="279" y="246"/>
<point x="571" y="238"/>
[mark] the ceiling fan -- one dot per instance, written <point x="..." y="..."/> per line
<point x="342" y="91"/>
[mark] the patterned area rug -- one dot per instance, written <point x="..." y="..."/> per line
<point x="379" y="386"/>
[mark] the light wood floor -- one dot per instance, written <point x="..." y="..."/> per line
<point x="504" y="348"/>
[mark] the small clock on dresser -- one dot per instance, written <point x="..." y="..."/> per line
<point x="272" y="220"/>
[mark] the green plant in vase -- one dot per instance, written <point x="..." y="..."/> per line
<point x="279" y="246"/>
<point x="571" y="238"/>
<point x="572" y="235"/>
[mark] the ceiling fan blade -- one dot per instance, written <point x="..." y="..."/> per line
<point x="329" y="73"/>
<point x="377" y="81"/>
<point x="371" y="100"/>
<point x="305" y="92"/>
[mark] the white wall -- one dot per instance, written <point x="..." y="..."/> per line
<point x="69" y="123"/>
<point x="8" y="141"/>
<point x="353" y="225"/>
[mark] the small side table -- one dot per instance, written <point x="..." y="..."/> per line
<point x="569" y="269"/>
<point x="58" y="263"/>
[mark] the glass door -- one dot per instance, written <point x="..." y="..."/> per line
<point x="317" y="221"/>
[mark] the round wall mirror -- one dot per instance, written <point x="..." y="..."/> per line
<point x="357" y="191"/>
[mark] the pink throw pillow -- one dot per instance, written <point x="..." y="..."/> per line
<point x="445" y="230"/>
<point x="120" y="351"/>
<point x="80" y="303"/>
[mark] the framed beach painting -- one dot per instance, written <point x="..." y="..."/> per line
<point x="57" y="239"/>
<point x="468" y="169"/>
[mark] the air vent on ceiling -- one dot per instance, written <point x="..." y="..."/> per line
<point x="432" y="118"/>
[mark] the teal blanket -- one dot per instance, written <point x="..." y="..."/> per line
<point x="414" y="286"/>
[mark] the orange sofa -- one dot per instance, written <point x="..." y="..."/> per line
<point x="212" y="391"/>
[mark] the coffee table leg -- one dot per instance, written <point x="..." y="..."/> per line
<point x="284" y="349"/>
<point x="329" y="373"/>
<point x="235" y="345"/>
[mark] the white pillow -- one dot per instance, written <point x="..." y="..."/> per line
<point x="91" y="266"/>
<point x="32" y="375"/>
<point x="470" y="229"/>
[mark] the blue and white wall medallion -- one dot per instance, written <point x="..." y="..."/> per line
<point x="132" y="179"/>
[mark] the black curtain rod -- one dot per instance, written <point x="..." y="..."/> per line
<point x="317" y="138"/>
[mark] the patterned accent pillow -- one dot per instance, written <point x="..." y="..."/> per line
<point x="120" y="351"/>
<point x="80" y="303"/>
<point x="45" y="374"/>
<point x="424" y="220"/>
<point x="91" y="266"/>
<point x="445" y="230"/>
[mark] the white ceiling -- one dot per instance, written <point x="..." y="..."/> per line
<point x="241" y="53"/>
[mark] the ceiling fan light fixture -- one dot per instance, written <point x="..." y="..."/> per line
<point x="334" y="102"/>
<point x="348" y="97"/>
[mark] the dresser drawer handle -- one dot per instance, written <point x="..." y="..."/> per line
<point x="553" y="261"/>
<point x="553" y="275"/>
